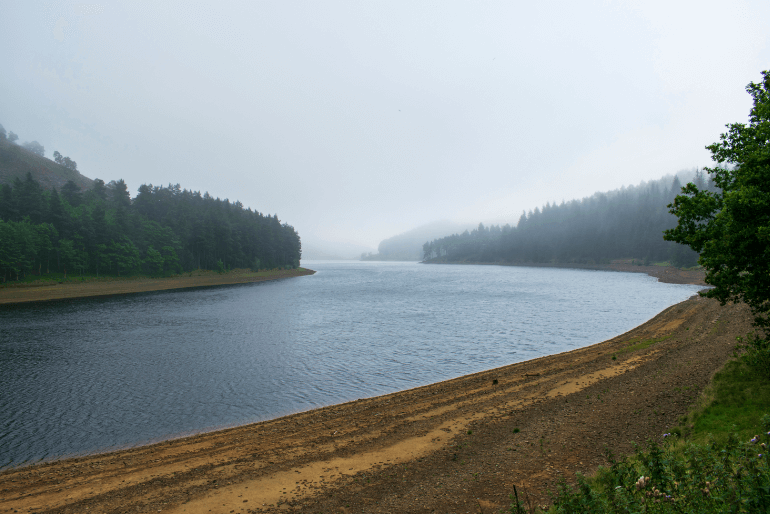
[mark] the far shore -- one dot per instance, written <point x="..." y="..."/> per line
<point x="47" y="290"/>
<point x="667" y="274"/>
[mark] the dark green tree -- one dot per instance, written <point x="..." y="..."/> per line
<point x="153" y="261"/>
<point x="99" y="190"/>
<point x="121" y="196"/>
<point x="730" y="226"/>
<point x="30" y="195"/>
<point x="7" y="205"/>
<point x="56" y="214"/>
<point x="72" y="193"/>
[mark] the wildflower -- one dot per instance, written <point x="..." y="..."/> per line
<point x="666" y="435"/>
<point x="755" y="439"/>
<point x="763" y="445"/>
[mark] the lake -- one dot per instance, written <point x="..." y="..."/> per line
<point x="97" y="374"/>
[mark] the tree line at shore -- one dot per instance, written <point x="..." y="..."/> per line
<point x="163" y="231"/>
<point x="620" y="224"/>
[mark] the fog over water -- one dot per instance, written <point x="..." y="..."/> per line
<point x="355" y="121"/>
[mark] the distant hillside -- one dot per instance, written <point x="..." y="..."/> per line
<point x="623" y="224"/>
<point x="408" y="246"/>
<point x="16" y="161"/>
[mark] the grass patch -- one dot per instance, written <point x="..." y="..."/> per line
<point x="735" y="401"/>
<point x="641" y="345"/>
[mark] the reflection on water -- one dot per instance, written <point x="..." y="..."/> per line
<point x="86" y="375"/>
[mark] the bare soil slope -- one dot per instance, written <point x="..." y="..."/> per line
<point x="446" y="447"/>
<point x="16" y="161"/>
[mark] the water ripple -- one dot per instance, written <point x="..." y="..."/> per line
<point x="104" y="373"/>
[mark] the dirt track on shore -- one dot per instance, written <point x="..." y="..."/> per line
<point x="48" y="291"/>
<point x="449" y="447"/>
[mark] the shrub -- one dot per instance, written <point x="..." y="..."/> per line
<point x="733" y="476"/>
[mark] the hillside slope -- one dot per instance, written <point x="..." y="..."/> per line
<point x="16" y="161"/>
<point x="408" y="245"/>
<point x="623" y="224"/>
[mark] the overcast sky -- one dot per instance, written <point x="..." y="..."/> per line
<point x="355" y="121"/>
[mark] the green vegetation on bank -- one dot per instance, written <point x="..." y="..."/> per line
<point x="163" y="231"/>
<point x="640" y="345"/>
<point x="730" y="227"/>
<point x="715" y="461"/>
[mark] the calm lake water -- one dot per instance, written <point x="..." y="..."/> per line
<point x="88" y="375"/>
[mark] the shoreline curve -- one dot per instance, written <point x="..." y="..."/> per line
<point x="457" y="444"/>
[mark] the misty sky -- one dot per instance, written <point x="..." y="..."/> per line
<point x="355" y="121"/>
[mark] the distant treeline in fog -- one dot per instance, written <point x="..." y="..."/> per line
<point x="623" y="224"/>
<point x="407" y="246"/>
<point x="164" y="230"/>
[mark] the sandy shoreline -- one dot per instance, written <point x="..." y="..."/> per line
<point x="444" y="447"/>
<point x="44" y="292"/>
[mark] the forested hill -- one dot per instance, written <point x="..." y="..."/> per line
<point x="623" y="224"/>
<point x="164" y="230"/>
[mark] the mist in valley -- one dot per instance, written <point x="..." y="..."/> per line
<point x="355" y="123"/>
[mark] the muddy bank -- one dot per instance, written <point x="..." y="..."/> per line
<point x="47" y="291"/>
<point x="667" y="274"/>
<point x="446" y="447"/>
